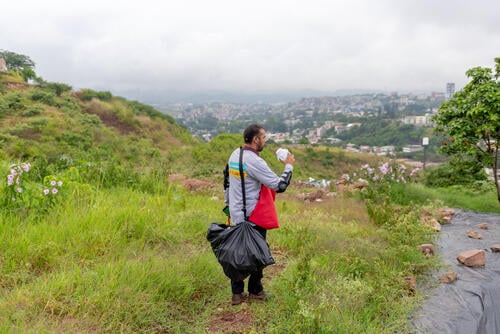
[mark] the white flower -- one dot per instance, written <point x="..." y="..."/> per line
<point x="46" y="191"/>
<point x="59" y="183"/>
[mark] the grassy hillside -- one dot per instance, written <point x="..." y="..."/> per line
<point x="97" y="236"/>
<point x="56" y="128"/>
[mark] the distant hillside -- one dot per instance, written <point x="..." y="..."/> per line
<point x="51" y="122"/>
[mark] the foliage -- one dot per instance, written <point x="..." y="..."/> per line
<point x="377" y="184"/>
<point x="471" y="119"/>
<point x="459" y="170"/>
<point x="382" y="132"/>
<point x="57" y="88"/>
<point x="89" y="94"/>
<point x="16" y="61"/>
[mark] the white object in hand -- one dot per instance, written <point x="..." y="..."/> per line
<point x="281" y="154"/>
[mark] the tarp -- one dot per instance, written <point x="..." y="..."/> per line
<point x="471" y="304"/>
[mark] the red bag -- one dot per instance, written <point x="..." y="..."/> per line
<point x="264" y="214"/>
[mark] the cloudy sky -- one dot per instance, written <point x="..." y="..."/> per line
<point x="258" y="46"/>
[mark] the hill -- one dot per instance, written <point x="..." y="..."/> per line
<point x="55" y="127"/>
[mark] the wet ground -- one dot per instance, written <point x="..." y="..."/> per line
<point x="471" y="304"/>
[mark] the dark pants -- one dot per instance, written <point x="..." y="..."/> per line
<point x="254" y="281"/>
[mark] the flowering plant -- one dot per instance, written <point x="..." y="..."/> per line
<point x="378" y="180"/>
<point x="15" y="184"/>
<point x="22" y="193"/>
<point x="376" y="184"/>
<point x="51" y="191"/>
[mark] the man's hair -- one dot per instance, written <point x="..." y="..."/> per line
<point x="250" y="132"/>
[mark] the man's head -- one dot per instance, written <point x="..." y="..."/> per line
<point x="255" y="136"/>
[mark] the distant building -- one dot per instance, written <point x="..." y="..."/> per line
<point x="412" y="148"/>
<point x="3" y="65"/>
<point x="450" y="90"/>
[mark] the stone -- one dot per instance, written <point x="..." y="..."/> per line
<point x="432" y="222"/>
<point x="448" y="277"/>
<point x="483" y="226"/>
<point x="495" y="248"/>
<point x="446" y="219"/>
<point x="474" y="234"/>
<point x="445" y="215"/>
<point x="412" y="284"/>
<point x="427" y="249"/>
<point x="472" y="258"/>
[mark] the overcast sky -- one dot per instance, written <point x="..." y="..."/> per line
<point x="258" y="46"/>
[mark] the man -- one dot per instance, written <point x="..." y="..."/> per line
<point x="256" y="174"/>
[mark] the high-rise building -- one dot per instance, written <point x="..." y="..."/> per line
<point x="450" y="90"/>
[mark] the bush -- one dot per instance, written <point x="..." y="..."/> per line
<point x="89" y="94"/>
<point x="458" y="171"/>
<point x="43" y="96"/>
<point x="33" y="110"/>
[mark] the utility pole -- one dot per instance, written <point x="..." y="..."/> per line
<point x="425" y="143"/>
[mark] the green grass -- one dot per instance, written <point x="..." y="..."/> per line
<point x="482" y="199"/>
<point x="127" y="261"/>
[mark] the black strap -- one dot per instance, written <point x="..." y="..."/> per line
<point x="243" y="184"/>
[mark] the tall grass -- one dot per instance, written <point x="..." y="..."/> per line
<point x="134" y="262"/>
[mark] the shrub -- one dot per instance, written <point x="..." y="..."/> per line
<point x="457" y="171"/>
<point x="377" y="190"/>
<point x="33" y="110"/>
<point x="43" y="96"/>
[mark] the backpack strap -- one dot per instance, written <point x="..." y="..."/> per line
<point x="243" y="184"/>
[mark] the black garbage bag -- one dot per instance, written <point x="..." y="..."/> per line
<point x="240" y="249"/>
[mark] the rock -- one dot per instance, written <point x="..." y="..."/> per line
<point x="432" y="222"/>
<point x="474" y="234"/>
<point x="483" y="226"/>
<point x="495" y="248"/>
<point x="412" y="284"/>
<point x="311" y="197"/>
<point x="446" y="219"/>
<point x="448" y="277"/>
<point x="359" y="185"/>
<point x="445" y="215"/>
<point x="427" y="249"/>
<point x="472" y="258"/>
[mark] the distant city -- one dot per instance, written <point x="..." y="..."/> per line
<point x="313" y="119"/>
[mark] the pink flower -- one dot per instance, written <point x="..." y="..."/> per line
<point x="46" y="191"/>
<point x="52" y="183"/>
<point x="59" y="183"/>
<point x="54" y="191"/>
<point x="26" y="167"/>
<point x="19" y="190"/>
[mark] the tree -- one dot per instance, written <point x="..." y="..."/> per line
<point x="471" y="119"/>
<point x="17" y="61"/>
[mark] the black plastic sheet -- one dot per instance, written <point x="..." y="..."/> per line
<point x="471" y="304"/>
<point x="240" y="249"/>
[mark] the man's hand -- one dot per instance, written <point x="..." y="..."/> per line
<point x="290" y="159"/>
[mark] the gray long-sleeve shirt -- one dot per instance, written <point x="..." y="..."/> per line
<point x="256" y="172"/>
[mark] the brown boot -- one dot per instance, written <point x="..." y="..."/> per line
<point x="238" y="298"/>
<point x="260" y="297"/>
